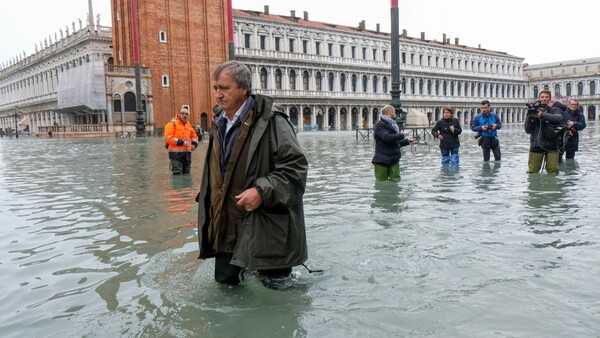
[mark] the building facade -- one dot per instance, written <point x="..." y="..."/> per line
<point x="333" y="77"/>
<point x="61" y="84"/>
<point x="578" y="79"/>
<point x="180" y="43"/>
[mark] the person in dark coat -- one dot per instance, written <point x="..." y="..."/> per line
<point x="486" y="124"/>
<point x="447" y="130"/>
<point x="251" y="214"/>
<point x="541" y="124"/>
<point x="388" y="141"/>
<point x="575" y="122"/>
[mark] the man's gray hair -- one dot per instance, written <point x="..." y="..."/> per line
<point x="387" y="109"/>
<point x="239" y="71"/>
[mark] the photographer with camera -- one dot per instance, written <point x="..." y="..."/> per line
<point x="575" y="122"/>
<point x="540" y="123"/>
<point x="486" y="125"/>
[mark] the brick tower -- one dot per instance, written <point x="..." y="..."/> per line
<point x="181" y="41"/>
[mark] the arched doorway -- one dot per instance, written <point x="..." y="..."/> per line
<point x="331" y="116"/>
<point x="591" y="115"/>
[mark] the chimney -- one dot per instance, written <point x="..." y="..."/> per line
<point x="305" y="16"/>
<point x="456" y="41"/>
<point x="267" y="9"/>
<point x="293" y="14"/>
<point x="422" y="35"/>
<point x="448" y="40"/>
<point x="377" y="28"/>
<point x="479" y="46"/>
<point x="361" y="25"/>
<point x="404" y="33"/>
<point x="444" y="38"/>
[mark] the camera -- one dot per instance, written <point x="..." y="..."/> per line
<point x="533" y="108"/>
<point x="487" y="128"/>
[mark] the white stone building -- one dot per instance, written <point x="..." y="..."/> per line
<point x="578" y="79"/>
<point x="340" y="77"/>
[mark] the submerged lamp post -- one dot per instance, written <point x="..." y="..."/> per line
<point x="139" y="121"/>
<point x="395" y="92"/>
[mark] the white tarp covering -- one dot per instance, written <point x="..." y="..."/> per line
<point x="82" y="85"/>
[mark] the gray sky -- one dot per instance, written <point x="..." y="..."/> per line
<point x="539" y="31"/>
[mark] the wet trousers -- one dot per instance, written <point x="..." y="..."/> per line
<point x="227" y="273"/>
<point x="387" y="173"/>
<point x="535" y="161"/>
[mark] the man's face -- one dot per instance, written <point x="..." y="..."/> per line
<point x="485" y="109"/>
<point x="573" y="106"/>
<point x="545" y="98"/>
<point x="228" y="94"/>
<point x="392" y="114"/>
<point x="183" y="115"/>
<point x="447" y="114"/>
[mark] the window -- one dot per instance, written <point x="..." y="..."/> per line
<point x="317" y="48"/>
<point x="354" y="52"/>
<point x="292" y="79"/>
<point x="385" y="84"/>
<point x="305" y="80"/>
<point x="342" y="50"/>
<point x="165" y="80"/>
<point x="263" y="78"/>
<point x="343" y="82"/>
<point x="428" y="60"/>
<point x="375" y="84"/>
<point x="304" y="46"/>
<point x="330" y="49"/>
<point x="536" y="91"/>
<point x="403" y="57"/>
<point x="593" y="88"/>
<point x="412" y="59"/>
<point x="580" y="88"/>
<point x="364" y="53"/>
<point x="365" y="83"/>
<point x="130" y="101"/>
<point x="277" y="44"/>
<point x="291" y="45"/>
<point x="385" y="56"/>
<point x="162" y="36"/>
<point x="246" y="40"/>
<point x="374" y="54"/>
<point x="117" y="106"/>
<point x="354" y="83"/>
<point x="331" y="79"/>
<point x="278" y="78"/>
<point x="319" y="81"/>
<point x="420" y="60"/>
<point x="263" y="42"/>
<point x="568" y="89"/>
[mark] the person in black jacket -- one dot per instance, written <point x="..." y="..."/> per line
<point x="541" y="124"/>
<point x="575" y="122"/>
<point x="388" y="141"/>
<point x="447" y="130"/>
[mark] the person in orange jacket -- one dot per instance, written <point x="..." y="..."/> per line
<point x="181" y="140"/>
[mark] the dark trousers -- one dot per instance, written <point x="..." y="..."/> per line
<point x="490" y="143"/>
<point x="178" y="167"/>
<point x="227" y="273"/>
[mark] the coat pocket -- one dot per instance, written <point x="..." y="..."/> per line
<point x="270" y="238"/>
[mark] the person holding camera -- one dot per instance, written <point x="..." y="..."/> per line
<point x="447" y="130"/>
<point x="486" y="125"/>
<point x="388" y="141"/>
<point x="541" y="122"/>
<point x="575" y="122"/>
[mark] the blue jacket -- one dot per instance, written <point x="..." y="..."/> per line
<point x="387" y="144"/>
<point x="481" y="120"/>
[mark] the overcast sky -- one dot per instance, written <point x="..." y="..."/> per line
<point x="539" y="31"/>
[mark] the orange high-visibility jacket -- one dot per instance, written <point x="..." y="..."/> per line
<point x="176" y="131"/>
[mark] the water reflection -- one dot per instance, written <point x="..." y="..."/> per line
<point x="99" y="239"/>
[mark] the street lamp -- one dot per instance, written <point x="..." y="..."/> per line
<point x="139" y="121"/>
<point x="395" y="92"/>
<point x="16" y="122"/>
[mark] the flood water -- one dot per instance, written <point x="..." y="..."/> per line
<point x="99" y="240"/>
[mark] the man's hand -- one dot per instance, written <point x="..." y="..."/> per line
<point x="440" y="137"/>
<point x="452" y="128"/>
<point x="249" y="199"/>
